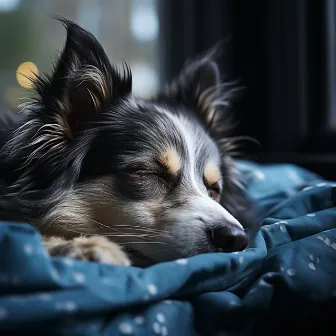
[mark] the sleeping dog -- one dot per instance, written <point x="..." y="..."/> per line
<point x="106" y="176"/>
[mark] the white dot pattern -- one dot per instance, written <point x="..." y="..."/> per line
<point x="160" y="317"/>
<point x="262" y="282"/>
<point x="68" y="306"/>
<point x="253" y="290"/>
<point x="152" y="289"/>
<point x="28" y="249"/>
<point x="328" y="242"/>
<point x="139" y="320"/>
<point x="79" y="277"/>
<point x="182" y="261"/>
<point x="291" y="272"/>
<point x="321" y="184"/>
<point x="307" y="188"/>
<point x="259" y="175"/>
<point x="312" y="266"/>
<point x="156" y="328"/>
<point x="68" y="262"/>
<point x="164" y="331"/>
<point x="125" y="328"/>
<point x="233" y="303"/>
<point x="282" y="228"/>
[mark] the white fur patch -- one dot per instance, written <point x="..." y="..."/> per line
<point x="213" y="210"/>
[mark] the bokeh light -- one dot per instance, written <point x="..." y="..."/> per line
<point x="144" y="23"/>
<point x="25" y="74"/>
<point x="9" y="5"/>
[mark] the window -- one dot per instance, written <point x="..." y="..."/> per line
<point x="31" y="39"/>
<point x="283" y="53"/>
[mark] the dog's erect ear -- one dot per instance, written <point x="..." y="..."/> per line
<point x="198" y="87"/>
<point x="83" y="81"/>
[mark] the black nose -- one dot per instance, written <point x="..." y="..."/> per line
<point x="229" y="238"/>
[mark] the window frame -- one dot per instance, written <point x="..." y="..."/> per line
<point x="279" y="51"/>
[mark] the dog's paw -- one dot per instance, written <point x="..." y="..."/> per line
<point x="96" y="248"/>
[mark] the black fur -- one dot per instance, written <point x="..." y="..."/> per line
<point x="86" y="124"/>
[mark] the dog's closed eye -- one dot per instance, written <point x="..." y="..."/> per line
<point x="212" y="180"/>
<point x="151" y="174"/>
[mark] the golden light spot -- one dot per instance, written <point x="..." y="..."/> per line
<point x="171" y="160"/>
<point x="26" y="73"/>
<point x="211" y="173"/>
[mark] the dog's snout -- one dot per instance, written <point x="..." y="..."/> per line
<point x="229" y="238"/>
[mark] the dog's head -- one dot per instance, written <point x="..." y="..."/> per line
<point x="155" y="175"/>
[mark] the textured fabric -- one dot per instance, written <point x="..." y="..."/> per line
<point x="288" y="272"/>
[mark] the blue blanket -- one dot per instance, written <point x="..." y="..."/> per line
<point x="288" y="273"/>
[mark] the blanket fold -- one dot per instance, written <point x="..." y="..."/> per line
<point x="288" y="273"/>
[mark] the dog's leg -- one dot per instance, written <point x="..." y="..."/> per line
<point x="95" y="248"/>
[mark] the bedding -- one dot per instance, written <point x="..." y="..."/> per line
<point x="285" y="279"/>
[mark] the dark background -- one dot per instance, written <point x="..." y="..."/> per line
<point x="282" y="52"/>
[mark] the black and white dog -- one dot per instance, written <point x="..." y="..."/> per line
<point x="108" y="177"/>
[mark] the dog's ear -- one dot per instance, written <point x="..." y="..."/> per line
<point x="199" y="88"/>
<point x="83" y="81"/>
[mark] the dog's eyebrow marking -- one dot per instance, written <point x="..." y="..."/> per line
<point x="211" y="173"/>
<point x="171" y="160"/>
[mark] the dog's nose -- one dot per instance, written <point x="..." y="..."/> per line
<point x="229" y="238"/>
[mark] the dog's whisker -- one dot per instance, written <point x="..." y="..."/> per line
<point x="145" y="230"/>
<point x="140" y="226"/>
<point x="110" y="235"/>
<point x="103" y="225"/>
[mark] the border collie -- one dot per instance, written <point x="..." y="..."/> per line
<point x="106" y="176"/>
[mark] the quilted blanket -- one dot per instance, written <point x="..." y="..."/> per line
<point x="284" y="280"/>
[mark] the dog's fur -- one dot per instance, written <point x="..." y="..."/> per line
<point x="89" y="158"/>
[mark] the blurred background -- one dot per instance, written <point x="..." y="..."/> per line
<point x="282" y="51"/>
